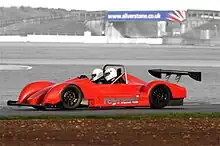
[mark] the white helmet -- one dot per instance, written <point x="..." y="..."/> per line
<point x="96" y="74"/>
<point x="110" y="73"/>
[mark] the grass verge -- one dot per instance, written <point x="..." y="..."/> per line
<point x="128" y="117"/>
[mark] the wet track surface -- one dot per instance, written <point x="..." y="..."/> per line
<point x="59" y="62"/>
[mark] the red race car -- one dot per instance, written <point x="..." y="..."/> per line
<point x="116" y="89"/>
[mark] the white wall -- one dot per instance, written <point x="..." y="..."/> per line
<point x="78" y="39"/>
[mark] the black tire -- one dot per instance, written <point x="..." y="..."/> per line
<point x="160" y="96"/>
<point x="71" y="97"/>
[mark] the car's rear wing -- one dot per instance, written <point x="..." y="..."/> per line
<point x="158" y="74"/>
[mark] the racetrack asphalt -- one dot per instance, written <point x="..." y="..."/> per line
<point x="206" y="108"/>
<point x="58" y="62"/>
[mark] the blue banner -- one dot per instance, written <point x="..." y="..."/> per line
<point x="175" y="15"/>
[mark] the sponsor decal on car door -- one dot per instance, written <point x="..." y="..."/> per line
<point x="120" y="94"/>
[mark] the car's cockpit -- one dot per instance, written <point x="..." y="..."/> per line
<point x="119" y="79"/>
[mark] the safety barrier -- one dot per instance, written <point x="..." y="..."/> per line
<point x="79" y="39"/>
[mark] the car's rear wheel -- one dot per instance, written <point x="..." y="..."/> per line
<point x="160" y="96"/>
<point x="71" y="97"/>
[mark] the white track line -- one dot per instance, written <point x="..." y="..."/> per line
<point x="14" y="67"/>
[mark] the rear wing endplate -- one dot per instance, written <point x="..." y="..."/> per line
<point x="158" y="74"/>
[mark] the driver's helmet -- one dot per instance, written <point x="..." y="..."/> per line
<point x="110" y="74"/>
<point x="96" y="74"/>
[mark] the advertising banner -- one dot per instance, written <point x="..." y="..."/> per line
<point x="175" y="15"/>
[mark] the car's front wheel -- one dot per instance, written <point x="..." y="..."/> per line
<point x="160" y="96"/>
<point x="71" y="97"/>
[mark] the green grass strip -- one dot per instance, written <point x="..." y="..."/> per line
<point x="128" y="117"/>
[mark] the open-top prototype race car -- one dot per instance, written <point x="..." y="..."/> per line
<point x="129" y="92"/>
